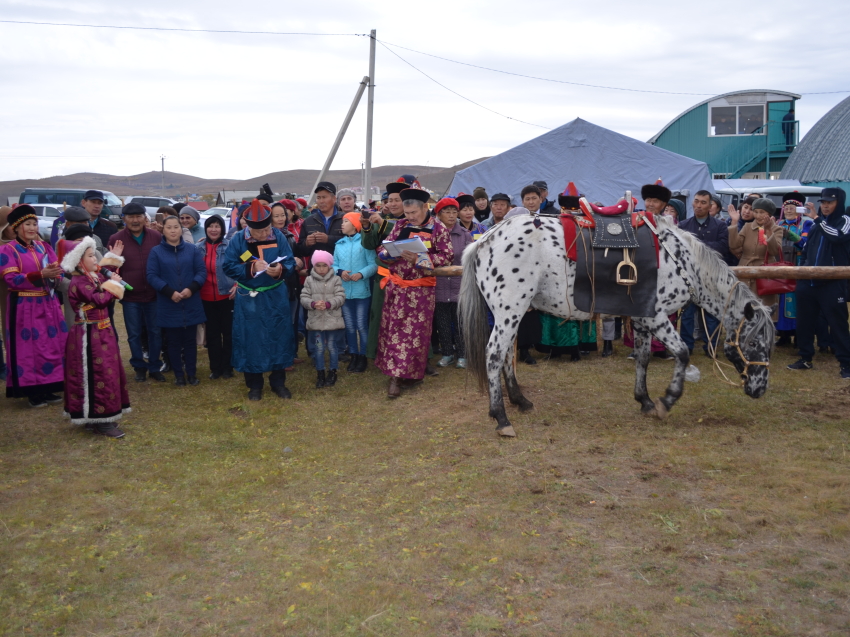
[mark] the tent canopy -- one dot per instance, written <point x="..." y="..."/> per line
<point x="602" y="164"/>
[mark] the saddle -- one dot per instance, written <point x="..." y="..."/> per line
<point x="616" y="256"/>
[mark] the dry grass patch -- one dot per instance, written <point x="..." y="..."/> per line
<point x="412" y="518"/>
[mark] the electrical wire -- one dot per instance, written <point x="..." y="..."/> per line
<point x="458" y="94"/>
<point x="136" y="28"/>
<point x="546" y="79"/>
<point x="385" y="44"/>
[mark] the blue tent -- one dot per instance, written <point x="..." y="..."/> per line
<point x="603" y="165"/>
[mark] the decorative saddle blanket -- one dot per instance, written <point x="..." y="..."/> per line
<point x="597" y="240"/>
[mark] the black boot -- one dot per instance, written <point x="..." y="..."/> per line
<point x="331" y="379"/>
<point x="320" y="379"/>
<point x="361" y="365"/>
<point x="526" y="357"/>
<point x="352" y="365"/>
<point x="607" y="349"/>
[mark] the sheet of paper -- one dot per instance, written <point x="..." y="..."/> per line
<point x="395" y="248"/>
<point x="278" y="260"/>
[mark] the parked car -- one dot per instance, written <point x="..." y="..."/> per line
<point x="221" y="211"/>
<point x="47" y="214"/>
<point x="61" y="197"/>
<point x="151" y="204"/>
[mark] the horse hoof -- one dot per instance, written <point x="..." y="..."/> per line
<point x="507" y="432"/>
<point x="651" y="413"/>
<point x="661" y="410"/>
<point x="526" y="405"/>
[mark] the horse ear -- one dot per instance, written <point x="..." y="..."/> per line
<point x="772" y="309"/>
<point x="749" y="312"/>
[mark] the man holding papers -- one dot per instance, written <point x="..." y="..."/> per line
<point x="410" y="293"/>
<point x="259" y="259"/>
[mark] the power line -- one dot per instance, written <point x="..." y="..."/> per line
<point x="458" y="94"/>
<point x="385" y="44"/>
<point x="546" y="79"/>
<point x="136" y="28"/>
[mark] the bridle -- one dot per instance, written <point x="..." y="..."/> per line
<point x="747" y="363"/>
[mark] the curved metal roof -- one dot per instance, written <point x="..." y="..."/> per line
<point x="824" y="153"/>
<point x="717" y="97"/>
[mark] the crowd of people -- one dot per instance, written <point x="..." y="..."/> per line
<point x="350" y="284"/>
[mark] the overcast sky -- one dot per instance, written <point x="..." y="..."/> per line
<point x="238" y="106"/>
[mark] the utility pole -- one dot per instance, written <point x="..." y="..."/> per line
<point x="162" y="188"/>
<point x="370" y="111"/>
<point x="363" y="83"/>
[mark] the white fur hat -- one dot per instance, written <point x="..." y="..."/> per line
<point x="72" y="259"/>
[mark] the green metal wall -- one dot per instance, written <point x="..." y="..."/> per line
<point x="689" y="136"/>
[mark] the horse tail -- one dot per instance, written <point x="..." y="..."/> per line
<point x="472" y="314"/>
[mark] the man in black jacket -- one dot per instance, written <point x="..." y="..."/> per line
<point x="828" y="245"/>
<point x="103" y="228"/>
<point x="323" y="228"/>
<point x="715" y="234"/>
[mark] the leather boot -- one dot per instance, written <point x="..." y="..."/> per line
<point x="352" y="366"/>
<point x="607" y="349"/>
<point x="330" y="381"/>
<point x="361" y="366"/>
<point x="320" y="379"/>
<point x="393" y="389"/>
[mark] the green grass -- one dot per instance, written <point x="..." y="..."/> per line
<point x="411" y="517"/>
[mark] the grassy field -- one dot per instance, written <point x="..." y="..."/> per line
<point x="342" y="513"/>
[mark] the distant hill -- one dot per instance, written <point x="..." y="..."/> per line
<point x="144" y="184"/>
<point x="301" y="181"/>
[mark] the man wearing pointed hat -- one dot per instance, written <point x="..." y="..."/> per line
<point x="373" y="232"/>
<point x="259" y="259"/>
<point x="410" y="294"/>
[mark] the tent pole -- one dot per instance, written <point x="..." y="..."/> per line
<point x="339" y="138"/>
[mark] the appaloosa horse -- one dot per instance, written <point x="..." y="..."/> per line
<point x="522" y="263"/>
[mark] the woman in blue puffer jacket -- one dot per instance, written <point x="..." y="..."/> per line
<point x="176" y="271"/>
<point x="355" y="265"/>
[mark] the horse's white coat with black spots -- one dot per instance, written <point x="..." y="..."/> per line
<point x="522" y="263"/>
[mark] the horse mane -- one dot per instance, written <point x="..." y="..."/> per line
<point x="715" y="275"/>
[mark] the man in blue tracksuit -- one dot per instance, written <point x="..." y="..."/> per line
<point x="828" y="245"/>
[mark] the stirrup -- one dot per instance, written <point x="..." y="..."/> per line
<point x="627" y="273"/>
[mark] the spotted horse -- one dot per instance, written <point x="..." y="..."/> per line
<point x="523" y="263"/>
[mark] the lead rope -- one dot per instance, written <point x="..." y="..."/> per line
<point x="712" y="349"/>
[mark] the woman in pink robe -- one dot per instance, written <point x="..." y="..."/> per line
<point x="95" y="382"/>
<point x="35" y="329"/>
<point x="410" y="295"/>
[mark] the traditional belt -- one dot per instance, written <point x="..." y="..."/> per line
<point x="101" y="325"/>
<point x="263" y="289"/>
<point x="424" y="282"/>
<point x="40" y="293"/>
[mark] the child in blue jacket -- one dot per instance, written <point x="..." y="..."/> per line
<point x="355" y="265"/>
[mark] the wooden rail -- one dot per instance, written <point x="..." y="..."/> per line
<point x="798" y="272"/>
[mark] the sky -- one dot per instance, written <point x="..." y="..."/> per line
<point x="218" y="105"/>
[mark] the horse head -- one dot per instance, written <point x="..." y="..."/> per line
<point x="749" y="346"/>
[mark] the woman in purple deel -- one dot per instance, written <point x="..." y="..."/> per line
<point x="35" y="330"/>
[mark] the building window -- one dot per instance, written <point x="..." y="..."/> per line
<point x="723" y="120"/>
<point x="736" y="120"/>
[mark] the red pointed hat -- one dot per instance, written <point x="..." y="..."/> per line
<point x="257" y="215"/>
<point x="569" y="198"/>
<point x="656" y="191"/>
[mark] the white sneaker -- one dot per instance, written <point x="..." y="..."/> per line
<point x="461" y="363"/>
<point x="445" y="361"/>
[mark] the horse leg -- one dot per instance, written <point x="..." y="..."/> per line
<point x="668" y="335"/>
<point x="514" y="392"/>
<point x="496" y="351"/>
<point x="643" y="343"/>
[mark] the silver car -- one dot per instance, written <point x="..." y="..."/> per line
<point x="47" y="214"/>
